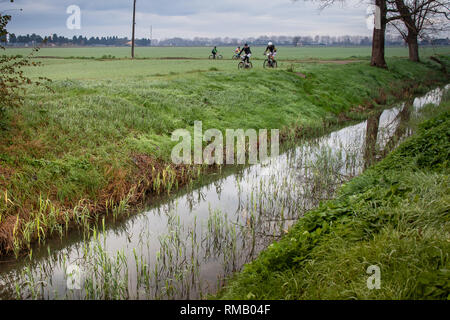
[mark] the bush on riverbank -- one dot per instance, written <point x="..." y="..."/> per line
<point x="395" y="216"/>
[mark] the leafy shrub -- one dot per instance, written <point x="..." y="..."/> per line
<point x="13" y="82"/>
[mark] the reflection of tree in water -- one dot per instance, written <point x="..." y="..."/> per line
<point x="370" y="152"/>
<point x="372" y="145"/>
<point x="402" y="128"/>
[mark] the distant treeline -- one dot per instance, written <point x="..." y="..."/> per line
<point x="55" y="40"/>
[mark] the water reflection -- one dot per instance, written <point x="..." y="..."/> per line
<point x="187" y="245"/>
<point x="380" y="140"/>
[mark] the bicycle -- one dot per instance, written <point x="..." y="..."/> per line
<point x="218" y="57"/>
<point x="270" y="62"/>
<point x="236" y="56"/>
<point x="243" y="64"/>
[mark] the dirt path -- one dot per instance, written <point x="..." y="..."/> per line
<point x="325" y="61"/>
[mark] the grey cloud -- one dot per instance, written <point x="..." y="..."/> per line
<point x="170" y="18"/>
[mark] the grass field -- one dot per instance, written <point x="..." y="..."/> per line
<point x="395" y="216"/>
<point x="285" y="53"/>
<point x="103" y="135"/>
<point x="86" y="63"/>
<point x="89" y="66"/>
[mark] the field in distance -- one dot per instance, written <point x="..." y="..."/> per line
<point x="286" y="53"/>
<point x="174" y="61"/>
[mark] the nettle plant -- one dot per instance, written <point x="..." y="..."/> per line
<point x="13" y="82"/>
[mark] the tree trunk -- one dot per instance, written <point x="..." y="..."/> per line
<point x="379" y="36"/>
<point x="413" y="46"/>
<point x="413" y="33"/>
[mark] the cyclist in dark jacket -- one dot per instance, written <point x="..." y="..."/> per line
<point x="214" y="52"/>
<point x="248" y="53"/>
<point x="271" y="50"/>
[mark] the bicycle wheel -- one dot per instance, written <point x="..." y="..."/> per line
<point x="266" y="63"/>
<point x="211" y="57"/>
<point x="274" y="64"/>
<point x="250" y="65"/>
<point x="241" y="65"/>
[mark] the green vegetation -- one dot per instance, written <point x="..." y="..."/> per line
<point x="395" y="216"/>
<point x="13" y="83"/>
<point x="290" y="53"/>
<point x="101" y="139"/>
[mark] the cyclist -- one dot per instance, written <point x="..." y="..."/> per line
<point x="248" y="53"/>
<point x="214" y="52"/>
<point x="271" y="50"/>
<point x="237" y="52"/>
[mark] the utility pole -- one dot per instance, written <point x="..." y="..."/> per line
<point x="134" y="29"/>
<point x="151" y="35"/>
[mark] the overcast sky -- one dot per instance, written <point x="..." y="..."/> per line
<point x="189" y="18"/>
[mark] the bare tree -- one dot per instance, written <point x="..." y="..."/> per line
<point x="415" y="19"/>
<point x="379" y="31"/>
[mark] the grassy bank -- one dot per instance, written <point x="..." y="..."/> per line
<point x="395" y="216"/>
<point x="93" y="146"/>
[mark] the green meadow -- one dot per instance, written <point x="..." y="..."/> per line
<point x="285" y="53"/>
<point x="81" y="142"/>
